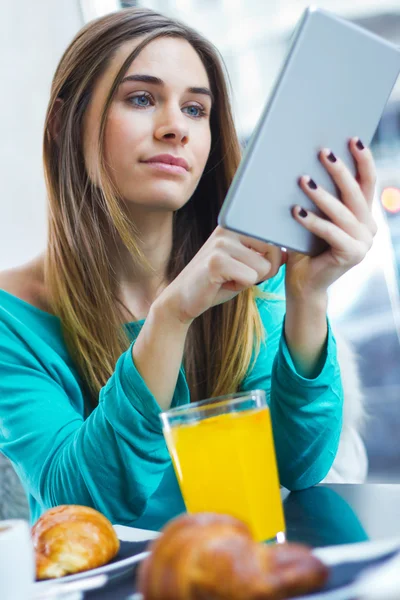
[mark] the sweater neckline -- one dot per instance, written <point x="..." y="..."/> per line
<point x="46" y="314"/>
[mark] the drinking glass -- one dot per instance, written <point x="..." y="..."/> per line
<point x="223" y="454"/>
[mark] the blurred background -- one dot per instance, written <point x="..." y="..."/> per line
<point x="253" y="38"/>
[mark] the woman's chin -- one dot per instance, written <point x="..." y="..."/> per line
<point x="166" y="197"/>
<point x="158" y="203"/>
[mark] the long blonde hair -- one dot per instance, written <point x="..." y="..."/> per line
<point x="82" y="217"/>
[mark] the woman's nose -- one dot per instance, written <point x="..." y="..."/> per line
<point x="172" y="125"/>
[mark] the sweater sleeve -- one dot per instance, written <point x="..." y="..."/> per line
<point x="306" y="413"/>
<point x="113" y="460"/>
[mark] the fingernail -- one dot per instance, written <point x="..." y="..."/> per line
<point x="360" y="145"/>
<point x="311" y="184"/>
<point x="331" y="157"/>
<point x="302" y="212"/>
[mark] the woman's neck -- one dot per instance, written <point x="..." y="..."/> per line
<point x="139" y="285"/>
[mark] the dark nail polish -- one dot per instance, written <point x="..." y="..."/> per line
<point x="311" y="184"/>
<point x="302" y="212"/>
<point x="360" y="145"/>
<point x="331" y="157"/>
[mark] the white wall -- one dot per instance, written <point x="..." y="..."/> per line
<point x="33" y="36"/>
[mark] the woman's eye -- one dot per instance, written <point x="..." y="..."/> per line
<point x="194" y="111"/>
<point x="142" y="100"/>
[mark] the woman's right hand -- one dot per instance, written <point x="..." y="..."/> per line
<point x="225" y="265"/>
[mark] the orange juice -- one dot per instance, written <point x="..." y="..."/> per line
<point x="226" y="464"/>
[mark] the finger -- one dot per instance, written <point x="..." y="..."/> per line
<point x="223" y="269"/>
<point x="366" y="170"/>
<point x="351" y="194"/>
<point x="336" y="211"/>
<point x="269" y="251"/>
<point x="249" y="242"/>
<point x="347" y="250"/>
<point x="257" y="245"/>
<point x="274" y="255"/>
<point x="261" y="263"/>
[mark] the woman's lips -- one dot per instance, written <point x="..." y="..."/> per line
<point x="168" y="163"/>
<point x="166" y="168"/>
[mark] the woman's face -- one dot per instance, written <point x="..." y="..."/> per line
<point x="157" y="137"/>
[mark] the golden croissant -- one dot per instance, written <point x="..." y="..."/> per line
<point x="69" y="539"/>
<point x="207" y="556"/>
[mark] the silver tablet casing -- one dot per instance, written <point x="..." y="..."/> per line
<point x="334" y="84"/>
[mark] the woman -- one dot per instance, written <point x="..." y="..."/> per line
<point x="141" y="302"/>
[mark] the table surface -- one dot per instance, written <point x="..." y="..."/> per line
<point x="324" y="515"/>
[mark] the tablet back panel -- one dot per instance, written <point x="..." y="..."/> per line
<point x="334" y="85"/>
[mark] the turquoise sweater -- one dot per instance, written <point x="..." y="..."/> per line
<point x="114" y="457"/>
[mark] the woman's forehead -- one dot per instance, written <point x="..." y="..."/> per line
<point x="164" y="57"/>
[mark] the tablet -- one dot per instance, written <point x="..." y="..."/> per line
<point x="334" y="85"/>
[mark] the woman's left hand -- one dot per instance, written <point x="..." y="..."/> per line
<point x="349" y="232"/>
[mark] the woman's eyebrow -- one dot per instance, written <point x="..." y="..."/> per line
<point x="157" y="81"/>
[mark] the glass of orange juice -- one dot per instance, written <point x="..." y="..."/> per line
<point x="223" y="454"/>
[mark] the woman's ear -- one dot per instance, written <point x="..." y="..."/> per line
<point x="55" y="119"/>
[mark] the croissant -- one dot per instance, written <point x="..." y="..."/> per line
<point x="206" y="556"/>
<point x="69" y="539"/>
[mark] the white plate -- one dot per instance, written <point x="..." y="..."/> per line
<point x="127" y="534"/>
